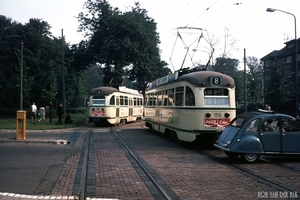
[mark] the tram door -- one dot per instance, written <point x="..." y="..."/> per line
<point x="117" y="110"/>
<point x="130" y="110"/>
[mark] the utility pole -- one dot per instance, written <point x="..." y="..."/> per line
<point x="63" y="73"/>
<point x="21" y="77"/>
<point x="245" y="81"/>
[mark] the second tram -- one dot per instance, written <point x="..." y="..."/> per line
<point x="108" y="104"/>
<point x="190" y="107"/>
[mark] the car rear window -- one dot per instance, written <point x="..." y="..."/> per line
<point x="237" y="121"/>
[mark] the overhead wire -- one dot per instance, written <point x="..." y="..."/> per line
<point x="203" y="12"/>
<point x="181" y="11"/>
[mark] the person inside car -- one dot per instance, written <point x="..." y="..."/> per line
<point x="268" y="126"/>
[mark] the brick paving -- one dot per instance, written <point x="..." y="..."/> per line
<point x="115" y="175"/>
<point x="188" y="175"/>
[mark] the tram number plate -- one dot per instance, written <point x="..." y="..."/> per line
<point x="215" y="80"/>
<point x="218" y="115"/>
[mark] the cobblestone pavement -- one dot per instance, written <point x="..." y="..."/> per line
<point x="189" y="175"/>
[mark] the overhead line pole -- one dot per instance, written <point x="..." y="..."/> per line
<point x="63" y="73"/>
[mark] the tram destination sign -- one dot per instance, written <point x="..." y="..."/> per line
<point x="165" y="79"/>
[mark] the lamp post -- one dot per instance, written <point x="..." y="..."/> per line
<point x="296" y="54"/>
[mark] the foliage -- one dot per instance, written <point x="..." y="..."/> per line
<point x="42" y="61"/>
<point x="229" y="67"/>
<point x="254" y="81"/>
<point x="122" y="42"/>
<point x="279" y="88"/>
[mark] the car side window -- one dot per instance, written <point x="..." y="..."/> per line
<point x="289" y="124"/>
<point x="253" y="125"/>
<point x="270" y="124"/>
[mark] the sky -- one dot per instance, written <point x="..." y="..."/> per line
<point x="256" y="31"/>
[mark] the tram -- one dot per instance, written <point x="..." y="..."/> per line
<point x="108" y="104"/>
<point x="192" y="106"/>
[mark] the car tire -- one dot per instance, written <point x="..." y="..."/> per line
<point x="250" y="158"/>
<point x="231" y="154"/>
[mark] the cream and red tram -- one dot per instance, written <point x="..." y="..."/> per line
<point x="115" y="106"/>
<point x="191" y="107"/>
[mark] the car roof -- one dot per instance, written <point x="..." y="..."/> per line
<point x="261" y="113"/>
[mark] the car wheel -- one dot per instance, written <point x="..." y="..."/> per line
<point x="250" y="158"/>
<point x="231" y="154"/>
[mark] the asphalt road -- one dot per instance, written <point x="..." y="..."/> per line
<point x="33" y="167"/>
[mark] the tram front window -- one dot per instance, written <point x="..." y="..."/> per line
<point x="216" y="97"/>
<point x="99" y="102"/>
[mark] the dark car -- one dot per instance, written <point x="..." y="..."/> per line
<point x="252" y="134"/>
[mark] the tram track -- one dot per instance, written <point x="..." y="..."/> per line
<point x="283" y="166"/>
<point x="249" y="170"/>
<point x="286" y="189"/>
<point x="155" y="182"/>
<point x="84" y="184"/>
<point x="158" y="192"/>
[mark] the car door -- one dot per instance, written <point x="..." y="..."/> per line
<point x="290" y="136"/>
<point x="270" y="137"/>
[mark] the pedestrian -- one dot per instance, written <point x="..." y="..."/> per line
<point x="68" y="119"/>
<point x="59" y="111"/>
<point x="42" y="113"/>
<point x="33" y="113"/>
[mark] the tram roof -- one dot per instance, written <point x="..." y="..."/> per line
<point x="104" y="90"/>
<point x="196" y="78"/>
<point x="201" y="78"/>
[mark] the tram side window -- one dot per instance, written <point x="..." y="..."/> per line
<point x="112" y="100"/>
<point x="134" y="101"/>
<point x="149" y="100"/>
<point x="126" y="101"/>
<point x="165" y="97"/>
<point x="171" y="97"/>
<point x="159" y="98"/>
<point x="154" y="99"/>
<point x="179" y="96"/>
<point x="121" y="100"/>
<point x="189" y="97"/>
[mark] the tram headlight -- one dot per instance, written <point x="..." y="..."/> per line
<point x="207" y="114"/>
<point x="226" y="115"/>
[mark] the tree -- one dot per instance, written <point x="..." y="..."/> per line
<point x="229" y="66"/>
<point x="42" y="57"/>
<point x="254" y="81"/>
<point x="279" y="88"/>
<point x="229" y="43"/>
<point x="121" y="41"/>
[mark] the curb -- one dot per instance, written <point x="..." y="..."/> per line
<point x="57" y="141"/>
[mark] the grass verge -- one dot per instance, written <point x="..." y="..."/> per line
<point x="79" y="119"/>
